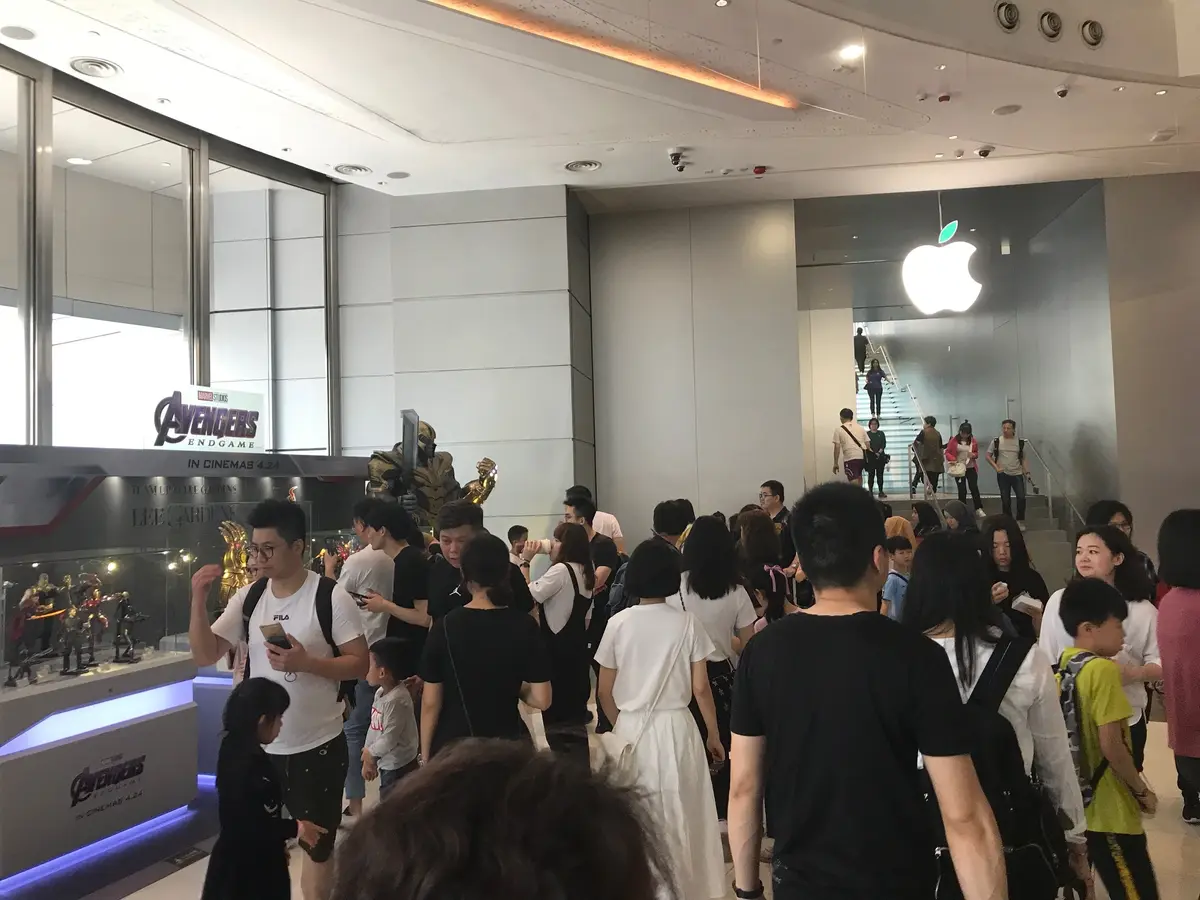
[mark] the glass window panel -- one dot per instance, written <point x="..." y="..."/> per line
<point x="12" y="350"/>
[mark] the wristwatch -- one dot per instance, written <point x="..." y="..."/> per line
<point x="753" y="894"/>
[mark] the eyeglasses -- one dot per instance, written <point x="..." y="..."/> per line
<point x="263" y="552"/>
<point x="764" y="495"/>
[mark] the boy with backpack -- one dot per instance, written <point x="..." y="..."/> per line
<point x="1096" y="709"/>
<point x="900" y="552"/>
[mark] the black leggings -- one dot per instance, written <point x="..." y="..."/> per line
<point x="971" y="479"/>
<point x="875" y="395"/>
<point x="874" y="468"/>
<point x="920" y="476"/>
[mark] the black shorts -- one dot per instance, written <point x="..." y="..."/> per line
<point x="312" y="784"/>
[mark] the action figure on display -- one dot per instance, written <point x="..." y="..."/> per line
<point x="70" y="640"/>
<point x="95" y="622"/>
<point x="127" y="617"/>
<point x="432" y="483"/>
<point x="24" y="633"/>
<point x="46" y="597"/>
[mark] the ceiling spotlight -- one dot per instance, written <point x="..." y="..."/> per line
<point x="941" y="68"/>
<point x="285" y="149"/>
<point x="854" y="237"/>
<point x="172" y="566"/>
<point x="112" y="567"/>
<point x="938" y="155"/>
<point x="722" y="3"/>
<point x="972" y="229"/>
<point x="1160" y="93"/>
<point x="17" y="33"/>
<point x="165" y="165"/>
<point x="1119" y="88"/>
<point x="851" y="52"/>
<point x="163" y="101"/>
<point x="34" y="565"/>
<point x="186" y="557"/>
<point x="78" y="161"/>
<point x="954" y="137"/>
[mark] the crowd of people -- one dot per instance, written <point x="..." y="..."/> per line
<point x="900" y="703"/>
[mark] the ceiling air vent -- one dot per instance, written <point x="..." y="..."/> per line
<point x="1008" y="15"/>
<point x="1050" y="24"/>
<point x="94" y="67"/>
<point x="583" y="165"/>
<point x="352" y="170"/>
<point x="1093" y="33"/>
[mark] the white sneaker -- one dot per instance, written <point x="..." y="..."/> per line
<point x="980" y="514"/>
<point x="1021" y="525"/>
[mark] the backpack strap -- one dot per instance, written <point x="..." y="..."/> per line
<point x="325" y="612"/>
<point x="996" y="449"/>
<point x="999" y="672"/>
<point x="1021" y="450"/>
<point x="249" y="602"/>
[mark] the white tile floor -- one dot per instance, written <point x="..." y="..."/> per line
<point x="1174" y="846"/>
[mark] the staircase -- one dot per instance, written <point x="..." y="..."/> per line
<point x="1050" y="547"/>
<point x="900" y="420"/>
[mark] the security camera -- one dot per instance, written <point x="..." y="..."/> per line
<point x="985" y="151"/>
<point x="676" y="156"/>
<point x="1062" y="90"/>
<point x="680" y="167"/>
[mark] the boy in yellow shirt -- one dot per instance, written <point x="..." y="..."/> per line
<point x="1096" y="710"/>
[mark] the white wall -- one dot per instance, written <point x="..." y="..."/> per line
<point x="697" y="375"/>
<point x="826" y="386"/>
<point x="1153" y="273"/>
<point x="474" y="310"/>
<point x="113" y="244"/>
<point x="267" y="316"/>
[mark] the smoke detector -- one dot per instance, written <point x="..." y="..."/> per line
<point x="582" y="165"/>
<point x="353" y="170"/>
<point x="397" y="175"/>
<point x="1008" y="16"/>
<point x="94" y="67"/>
<point x="17" y="33"/>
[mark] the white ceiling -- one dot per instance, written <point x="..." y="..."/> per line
<point x="463" y="104"/>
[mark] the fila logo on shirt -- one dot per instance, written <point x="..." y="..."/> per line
<point x="282" y="618"/>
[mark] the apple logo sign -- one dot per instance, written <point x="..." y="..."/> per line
<point x="937" y="279"/>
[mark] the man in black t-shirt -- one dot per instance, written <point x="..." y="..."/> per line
<point x="388" y="526"/>
<point x="605" y="558"/>
<point x="831" y="707"/>
<point x="771" y="499"/>
<point x="457" y="522"/>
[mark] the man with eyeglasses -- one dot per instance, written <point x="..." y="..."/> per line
<point x="771" y="499"/>
<point x="322" y="646"/>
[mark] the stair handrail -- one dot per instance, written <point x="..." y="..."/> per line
<point x="1074" y="511"/>
<point x="889" y="369"/>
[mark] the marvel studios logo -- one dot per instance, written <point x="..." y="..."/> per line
<point x="212" y="396"/>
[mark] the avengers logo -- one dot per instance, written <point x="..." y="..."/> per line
<point x="88" y="782"/>
<point x="174" y="420"/>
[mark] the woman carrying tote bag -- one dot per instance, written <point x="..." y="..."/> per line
<point x="653" y="660"/>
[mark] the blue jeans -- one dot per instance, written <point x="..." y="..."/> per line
<point x="355" y="729"/>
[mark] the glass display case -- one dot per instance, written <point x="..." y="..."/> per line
<point x="67" y="614"/>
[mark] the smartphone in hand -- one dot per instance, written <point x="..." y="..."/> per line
<point x="276" y="636"/>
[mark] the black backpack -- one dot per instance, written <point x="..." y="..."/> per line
<point x="1020" y="449"/>
<point x="618" y="597"/>
<point x="324" y="619"/>
<point x="1033" y="836"/>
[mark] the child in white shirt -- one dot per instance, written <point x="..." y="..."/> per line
<point x="390" y="750"/>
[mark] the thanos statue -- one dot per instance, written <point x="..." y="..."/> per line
<point x="236" y="574"/>
<point x="432" y="483"/>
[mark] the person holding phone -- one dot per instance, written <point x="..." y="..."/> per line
<point x="323" y="629"/>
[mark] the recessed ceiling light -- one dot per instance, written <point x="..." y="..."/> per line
<point x="854" y="237"/>
<point x="1119" y="88"/>
<point x="722" y="3"/>
<point x="165" y="165"/>
<point x="163" y="101"/>
<point x="1160" y="93"/>
<point x="941" y="68"/>
<point x="938" y="155"/>
<point x="285" y="149"/>
<point x="78" y="161"/>
<point x="397" y="175"/>
<point x="17" y="33"/>
<point x="94" y="67"/>
<point x="972" y="229"/>
<point x="954" y="137"/>
<point x="852" y="52"/>
<point x="582" y="165"/>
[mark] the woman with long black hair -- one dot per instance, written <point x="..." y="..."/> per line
<point x="949" y="600"/>
<point x="925" y="521"/>
<point x="712" y="590"/>
<point x="1105" y="552"/>
<point x="1013" y="575"/>
<point x="564" y="594"/>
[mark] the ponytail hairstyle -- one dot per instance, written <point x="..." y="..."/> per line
<point x="485" y="563"/>
<point x="252" y="701"/>
<point x="773" y="584"/>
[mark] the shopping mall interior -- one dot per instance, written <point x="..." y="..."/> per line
<point x="606" y="243"/>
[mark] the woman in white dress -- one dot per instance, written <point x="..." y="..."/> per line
<point x="653" y="660"/>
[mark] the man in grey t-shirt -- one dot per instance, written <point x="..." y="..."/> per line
<point x="1007" y="457"/>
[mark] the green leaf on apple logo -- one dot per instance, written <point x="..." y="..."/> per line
<point x="948" y="232"/>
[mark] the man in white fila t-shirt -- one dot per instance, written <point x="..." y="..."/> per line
<point x="324" y="634"/>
